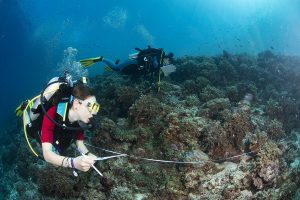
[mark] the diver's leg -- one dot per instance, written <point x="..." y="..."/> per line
<point x="119" y="66"/>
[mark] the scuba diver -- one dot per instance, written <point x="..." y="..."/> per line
<point x="146" y="62"/>
<point x="58" y="117"/>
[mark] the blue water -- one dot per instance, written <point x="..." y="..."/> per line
<point x="34" y="34"/>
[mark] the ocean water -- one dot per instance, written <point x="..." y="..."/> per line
<point x="39" y="39"/>
<point x="34" y="34"/>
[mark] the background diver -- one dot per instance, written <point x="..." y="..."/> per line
<point x="146" y="62"/>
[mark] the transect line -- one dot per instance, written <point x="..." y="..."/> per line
<point x="166" y="161"/>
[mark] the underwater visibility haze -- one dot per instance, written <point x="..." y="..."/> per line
<point x="224" y="125"/>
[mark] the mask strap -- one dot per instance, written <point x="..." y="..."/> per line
<point x="71" y="99"/>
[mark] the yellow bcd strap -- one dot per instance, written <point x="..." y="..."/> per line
<point x="24" y="124"/>
<point x="29" y="105"/>
<point x="158" y="82"/>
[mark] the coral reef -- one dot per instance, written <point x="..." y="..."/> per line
<point x="236" y="115"/>
<point x="59" y="183"/>
<point x="266" y="166"/>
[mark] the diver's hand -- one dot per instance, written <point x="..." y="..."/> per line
<point x="92" y="156"/>
<point x="83" y="163"/>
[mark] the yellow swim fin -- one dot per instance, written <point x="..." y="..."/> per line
<point x="90" y="61"/>
<point x="19" y="110"/>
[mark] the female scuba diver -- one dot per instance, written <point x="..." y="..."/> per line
<point x="66" y="111"/>
<point x="57" y="138"/>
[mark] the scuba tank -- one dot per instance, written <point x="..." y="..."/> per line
<point x="62" y="84"/>
<point x="51" y="88"/>
<point x="133" y="55"/>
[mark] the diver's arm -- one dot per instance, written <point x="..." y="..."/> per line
<point x="52" y="157"/>
<point x="82" y="163"/>
<point x="47" y="132"/>
<point x="80" y="145"/>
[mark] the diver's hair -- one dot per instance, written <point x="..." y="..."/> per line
<point x="82" y="92"/>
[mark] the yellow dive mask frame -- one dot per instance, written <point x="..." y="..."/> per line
<point x="93" y="107"/>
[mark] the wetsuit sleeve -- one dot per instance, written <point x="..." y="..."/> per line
<point x="48" y="126"/>
<point x="79" y="135"/>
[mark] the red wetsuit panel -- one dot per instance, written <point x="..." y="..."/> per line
<point x="48" y="127"/>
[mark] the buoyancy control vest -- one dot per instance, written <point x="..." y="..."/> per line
<point x="58" y="92"/>
<point x="62" y="138"/>
<point x="150" y="60"/>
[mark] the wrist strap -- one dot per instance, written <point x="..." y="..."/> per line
<point x="73" y="167"/>
<point x="87" y="153"/>
<point x="72" y="163"/>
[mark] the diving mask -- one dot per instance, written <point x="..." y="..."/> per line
<point x="93" y="107"/>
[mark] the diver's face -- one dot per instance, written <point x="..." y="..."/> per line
<point x="87" y="109"/>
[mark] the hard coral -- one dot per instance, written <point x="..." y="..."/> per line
<point x="103" y="135"/>
<point x="275" y="130"/>
<point x="237" y="127"/>
<point x="195" y="86"/>
<point x="210" y="92"/>
<point x="190" y="69"/>
<point x="183" y="127"/>
<point x="145" y="110"/>
<point x="60" y="183"/>
<point x="285" y="110"/>
<point x="267" y="166"/>
<point x="126" y="96"/>
<point x="212" y="109"/>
